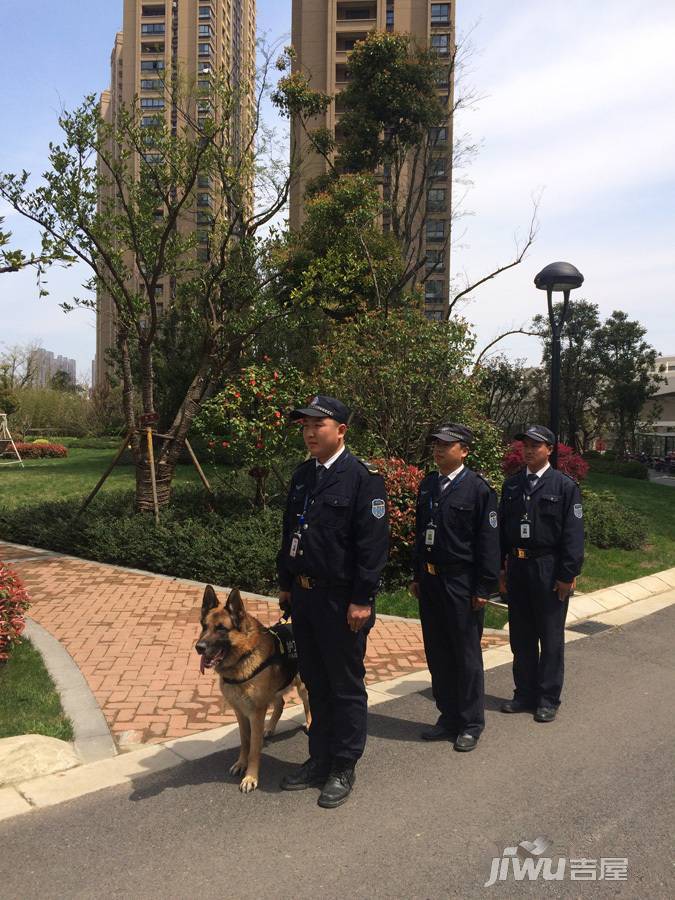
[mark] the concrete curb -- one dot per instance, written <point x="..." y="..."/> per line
<point x="50" y="790"/>
<point x="93" y="740"/>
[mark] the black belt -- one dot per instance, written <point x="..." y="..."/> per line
<point x="521" y="553"/>
<point x="308" y="584"/>
<point x="452" y="569"/>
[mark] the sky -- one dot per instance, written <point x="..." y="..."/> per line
<point x="576" y="104"/>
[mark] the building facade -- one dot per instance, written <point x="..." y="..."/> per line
<point x="658" y="438"/>
<point x="323" y="34"/>
<point x="194" y="38"/>
<point x="44" y="365"/>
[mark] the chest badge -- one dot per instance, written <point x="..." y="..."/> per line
<point x="493" y="519"/>
<point x="378" y="508"/>
<point x="578" y="511"/>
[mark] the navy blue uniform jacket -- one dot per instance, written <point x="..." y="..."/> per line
<point x="555" y="515"/>
<point x="466" y="531"/>
<point x="345" y="537"/>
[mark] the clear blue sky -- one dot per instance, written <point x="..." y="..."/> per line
<point x="578" y="100"/>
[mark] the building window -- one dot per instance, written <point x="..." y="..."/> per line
<point x="441" y="43"/>
<point x="205" y="31"/>
<point x="151" y="84"/>
<point x="152" y="102"/>
<point x="356" y="12"/>
<point x="204" y="218"/>
<point x="152" y="158"/>
<point x="153" y="28"/>
<point x="436" y="200"/>
<point x="205" y="49"/>
<point x="204" y="68"/>
<point x="152" y="48"/>
<point x="440" y="14"/>
<point x="204" y="181"/>
<point x="204" y="200"/>
<point x="204" y="12"/>
<point x="152" y="9"/>
<point x="435" y="261"/>
<point x="437" y="168"/>
<point x="203" y="254"/>
<point x="435" y="230"/>
<point x="434" y="315"/>
<point x="151" y="121"/>
<point x="152" y="65"/>
<point x="439" y="135"/>
<point x="390" y="15"/>
<point x="433" y="290"/>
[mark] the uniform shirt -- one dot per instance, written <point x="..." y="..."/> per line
<point x="345" y="535"/>
<point x="554" y="511"/>
<point x="466" y="531"/>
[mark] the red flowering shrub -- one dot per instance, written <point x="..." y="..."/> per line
<point x="13" y="605"/>
<point x="402" y="482"/>
<point x="39" y="451"/>
<point x="569" y="462"/>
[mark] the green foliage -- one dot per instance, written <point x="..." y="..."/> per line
<point x="625" y="469"/>
<point x="609" y="523"/>
<point x="46" y="409"/>
<point x="510" y="392"/>
<point x="402" y="375"/>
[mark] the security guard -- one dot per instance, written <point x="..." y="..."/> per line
<point x="456" y="567"/>
<point x="334" y="548"/>
<point x="542" y="546"/>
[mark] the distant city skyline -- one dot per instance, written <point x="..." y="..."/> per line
<point x="577" y="100"/>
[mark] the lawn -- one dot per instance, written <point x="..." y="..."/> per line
<point x="402" y="603"/>
<point x="29" y="703"/>
<point x="655" y="501"/>
<point x="75" y="476"/>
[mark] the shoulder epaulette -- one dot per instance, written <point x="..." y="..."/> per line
<point x="483" y="479"/>
<point x="368" y="465"/>
<point x="571" y="477"/>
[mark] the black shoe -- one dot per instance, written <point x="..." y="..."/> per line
<point x="466" y="742"/>
<point x="312" y="773"/>
<point x="338" y="787"/>
<point x="437" y="733"/>
<point x="545" y="714"/>
<point x="515" y="706"/>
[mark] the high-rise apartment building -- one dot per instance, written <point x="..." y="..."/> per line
<point x="323" y="34"/>
<point x="194" y="38"/>
<point x="44" y="365"/>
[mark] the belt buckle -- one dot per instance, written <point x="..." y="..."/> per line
<point x="520" y="553"/>
<point x="305" y="582"/>
<point x="431" y="569"/>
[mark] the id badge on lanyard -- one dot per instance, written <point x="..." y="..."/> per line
<point x="297" y="535"/>
<point x="525" y="530"/>
<point x="430" y="535"/>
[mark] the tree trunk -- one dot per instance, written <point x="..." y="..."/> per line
<point x="164" y="473"/>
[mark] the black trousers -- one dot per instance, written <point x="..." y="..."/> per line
<point x="536" y="631"/>
<point x="330" y="658"/>
<point x="452" y="630"/>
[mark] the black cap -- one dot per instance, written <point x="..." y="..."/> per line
<point x="323" y="407"/>
<point x="537" y="433"/>
<point x="451" y="432"/>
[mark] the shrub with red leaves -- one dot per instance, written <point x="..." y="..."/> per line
<point x="13" y="605"/>
<point x="39" y="451"/>
<point x="569" y="462"/>
<point x="402" y="482"/>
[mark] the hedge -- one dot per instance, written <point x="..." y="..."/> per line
<point x="13" y="606"/>
<point x="625" y="469"/>
<point x="608" y="523"/>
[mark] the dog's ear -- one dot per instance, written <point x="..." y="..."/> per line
<point x="235" y="607"/>
<point x="209" y="601"/>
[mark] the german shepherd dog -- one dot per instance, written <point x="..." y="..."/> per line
<point x="253" y="673"/>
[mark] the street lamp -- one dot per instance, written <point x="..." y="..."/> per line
<point x="557" y="276"/>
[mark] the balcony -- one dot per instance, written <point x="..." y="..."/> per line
<point x="363" y="13"/>
<point x="152" y="9"/>
<point x="152" y="48"/>
<point x="345" y="42"/>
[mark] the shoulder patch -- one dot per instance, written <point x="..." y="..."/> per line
<point x="368" y="465"/>
<point x="569" y="477"/>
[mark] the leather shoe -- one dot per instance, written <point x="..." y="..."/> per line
<point x="312" y="773"/>
<point x="515" y="706"/>
<point x="437" y="733"/>
<point x="545" y="714"/>
<point x="466" y="742"/>
<point x="338" y="786"/>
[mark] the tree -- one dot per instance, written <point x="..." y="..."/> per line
<point x="121" y="199"/>
<point x="510" y="391"/>
<point x="580" y="371"/>
<point x="402" y="375"/>
<point x="63" y="381"/>
<point x="629" y="378"/>
<point x="16" y="260"/>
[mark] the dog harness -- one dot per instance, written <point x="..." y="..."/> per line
<point x="286" y="652"/>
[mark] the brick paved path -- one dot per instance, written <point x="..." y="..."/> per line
<point x="132" y="635"/>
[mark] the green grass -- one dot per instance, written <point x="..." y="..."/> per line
<point x="75" y="476"/>
<point x="402" y="603"/>
<point x="655" y="501"/>
<point x="29" y="703"/>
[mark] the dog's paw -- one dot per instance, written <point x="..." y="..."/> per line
<point x="238" y="767"/>
<point x="248" y="784"/>
<point x="305" y="728"/>
<point x="268" y="733"/>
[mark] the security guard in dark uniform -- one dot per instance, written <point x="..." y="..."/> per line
<point x="456" y="568"/>
<point x="542" y="546"/>
<point x="334" y="548"/>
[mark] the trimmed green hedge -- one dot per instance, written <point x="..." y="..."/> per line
<point x="630" y="469"/>
<point x="610" y="524"/>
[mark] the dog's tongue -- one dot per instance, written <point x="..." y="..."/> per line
<point x="202" y="665"/>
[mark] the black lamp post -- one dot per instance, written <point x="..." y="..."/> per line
<point x="558" y="276"/>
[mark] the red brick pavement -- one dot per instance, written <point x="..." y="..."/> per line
<point x="132" y="635"/>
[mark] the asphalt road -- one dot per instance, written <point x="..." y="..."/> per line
<point x="423" y="822"/>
